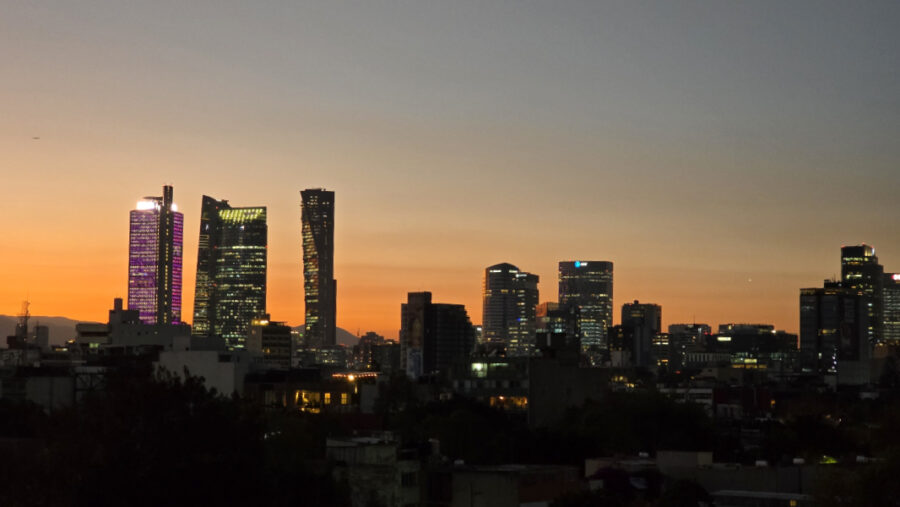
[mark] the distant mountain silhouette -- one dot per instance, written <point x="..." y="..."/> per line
<point x="62" y="329"/>
<point x="342" y="336"/>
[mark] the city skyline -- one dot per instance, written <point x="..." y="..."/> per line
<point x="718" y="156"/>
<point x="474" y="308"/>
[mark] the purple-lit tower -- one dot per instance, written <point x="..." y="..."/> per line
<point x="154" y="260"/>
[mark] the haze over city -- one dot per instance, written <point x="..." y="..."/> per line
<point x="717" y="158"/>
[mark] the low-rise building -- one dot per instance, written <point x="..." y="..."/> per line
<point x="269" y="343"/>
<point x="377" y="471"/>
<point x="512" y="485"/>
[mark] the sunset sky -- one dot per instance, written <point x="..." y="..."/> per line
<point x="719" y="153"/>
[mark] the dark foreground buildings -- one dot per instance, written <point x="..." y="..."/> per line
<point x="319" y="285"/>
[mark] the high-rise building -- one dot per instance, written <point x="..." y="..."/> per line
<point x="319" y="285"/>
<point x="589" y="286"/>
<point x="207" y="246"/>
<point x="694" y="333"/>
<point x="509" y="298"/>
<point x="645" y="322"/>
<point x="755" y="345"/>
<point x="433" y="336"/>
<point x="362" y="352"/>
<point x="834" y="327"/>
<point x="861" y="273"/>
<point x="891" y="307"/>
<point x="231" y="271"/>
<point x="270" y="343"/>
<point x="154" y="260"/>
<point x="557" y="331"/>
<point x="683" y="338"/>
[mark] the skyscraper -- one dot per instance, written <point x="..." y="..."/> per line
<point x="231" y="271"/>
<point x="509" y="298"/>
<point x="834" y="327"/>
<point x="861" y="273"/>
<point x="589" y="286"/>
<point x="270" y="343"/>
<point x="154" y="260"/>
<point x="645" y="322"/>
<point x="433" y="336"/>
<point x="891" y="307"/>
<point x="319" y="285"/>
<point x="556" y="331"/>
<point x="207" y="246"/>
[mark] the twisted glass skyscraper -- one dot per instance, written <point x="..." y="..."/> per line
<point x="319" y="285"/>
<point x="154" y="260"/>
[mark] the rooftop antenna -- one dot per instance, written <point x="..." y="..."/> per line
<point x="24" y="316"/>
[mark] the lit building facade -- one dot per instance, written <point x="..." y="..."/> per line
<point x="891" y="307"/>
<point x="204" y="302"/>
<point x="319" y="285"/>
<point x="270" y="343"/>
<point x="231" y="271"/>
<point x="862" y="274"/>
<point x="834" y="327"/>
<point x="154" y="259"/>
<point x="509" y="298"/>
<point x="556" y="331"/>
<point x="589" y="286"/>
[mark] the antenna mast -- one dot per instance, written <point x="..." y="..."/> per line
<point x="24" y="316"/>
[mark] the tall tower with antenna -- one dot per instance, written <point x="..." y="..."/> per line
<point x="18" y="339"/>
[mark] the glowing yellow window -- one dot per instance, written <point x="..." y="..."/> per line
<point x="345" y="398"/>
<point x="327" y="398"/>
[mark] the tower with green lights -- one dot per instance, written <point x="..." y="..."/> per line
<point x="231" y="271"/>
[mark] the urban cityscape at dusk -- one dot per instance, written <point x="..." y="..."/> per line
<point x="450" y="254"/>
<point x="697" y="158"/>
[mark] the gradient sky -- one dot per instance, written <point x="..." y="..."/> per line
<point x="719" y="153"/>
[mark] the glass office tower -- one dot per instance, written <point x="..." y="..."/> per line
<point x="588" y="285"/>
<point x="509" y="299"/>
<point x="861" y="273"/>
<point x="319" y="285"/>
<point x="231" y="271"/>
<point x="154" y="259"/>
<point x="207" y="246"/>
<point x="891" y="307"/>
